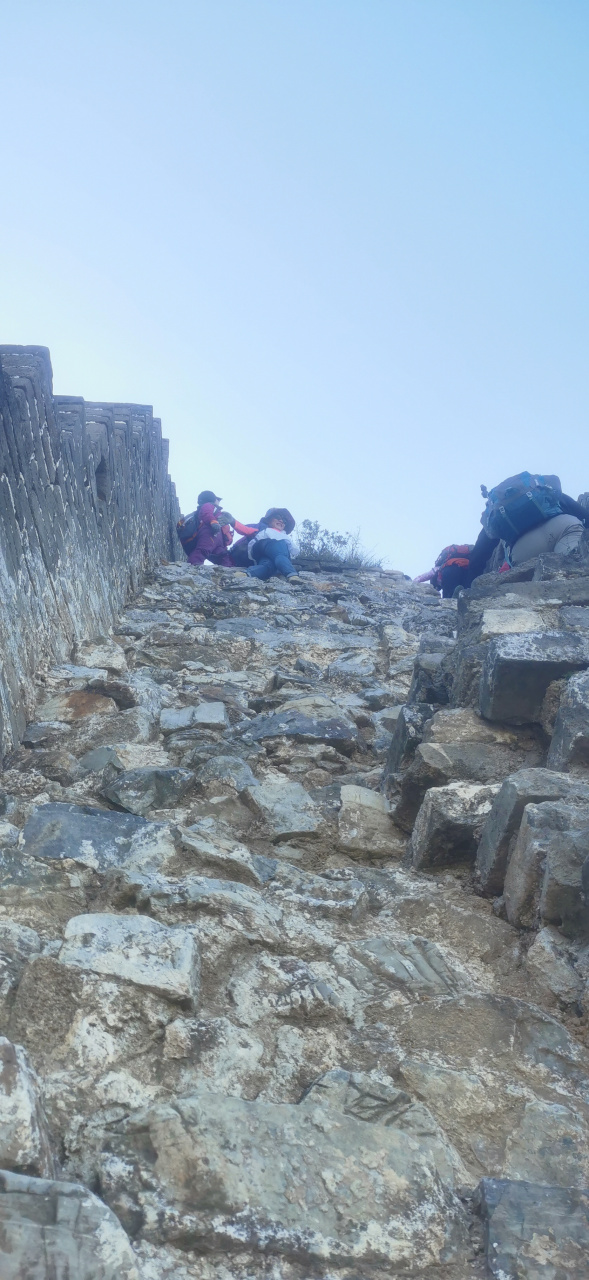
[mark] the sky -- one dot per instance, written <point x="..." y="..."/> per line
<point x="340" y="245"/>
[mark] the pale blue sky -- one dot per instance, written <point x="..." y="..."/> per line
<point x="340" y="245"/>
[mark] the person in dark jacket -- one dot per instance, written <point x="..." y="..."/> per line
<point x="240" y="550"/>
<point x="451" y="570"/>
<point x="271" y="549"/>
<point x="210" y="542"/>
<point x="561" y="533"/>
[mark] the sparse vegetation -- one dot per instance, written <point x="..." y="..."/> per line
<point x="345" y="548"/>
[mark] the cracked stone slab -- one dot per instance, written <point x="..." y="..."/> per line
<point x="237" y="905"/>
<point x="518" y="669"/>
<point x="308" y="1181"/>
<point x="135" y="949"/>
<point x="285" y="808"/>
<point x="98" y="838"/>
<point x="139" y="790"/>
<point x="60" y="1230"/>
<point x="569" y="747"/>
<point x="414" y="963"/>
<point x="339" y="895"/>
<point x="334" y="729"/>
<point x="543" y="882"/>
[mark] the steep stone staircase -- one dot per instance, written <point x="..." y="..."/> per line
<point x="294" y="939"/>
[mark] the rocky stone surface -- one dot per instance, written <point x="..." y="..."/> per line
<point x="569" y="748"/>
<point x="59" y="1230"/>
<point x="294" y="935"/>
<point x="86" y="506"/>
<point x="534" y="1232"/>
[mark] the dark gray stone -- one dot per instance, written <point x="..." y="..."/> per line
<point x="95" y="761"/>
<point x="57" y="831"/>
<point x="572" y="589"/>
<point x="543" y="883"/>
<point x="432" y="643"/>
<point x="518" y="669"/>
<point x="225" y="770"/>
<point x="527" y="786"/>
<point x="308" y="668"/>
<point x="576" y="616"/>
<point x="467" y="665"/>
<point x="430" y="767"/>
<point x="377" y="698"/>
<point x="327" y="798"/>
<point x="293" y="724"/>
<point x="139" y="790"/>
<point x="449" y="823"/>
<point x="45" y="732"/>
<point x="407" y="734"/>
<point x="534" y="1232"/>
<point x="428" y="683"/>
<point x="570" y="740"/>
<point x="176" y="719"/>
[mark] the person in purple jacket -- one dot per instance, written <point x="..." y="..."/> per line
<point x="209" y="543"/>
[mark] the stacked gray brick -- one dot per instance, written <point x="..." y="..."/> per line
<point x="86" y="508"/>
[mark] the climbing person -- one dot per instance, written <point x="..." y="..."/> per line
<point x="272" y="547"/>
<point x="451" y="569"/>
<point x="208" y="532"/>
<point x="529" y="514"/>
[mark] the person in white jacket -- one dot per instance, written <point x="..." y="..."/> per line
<point x="271" y="552"/>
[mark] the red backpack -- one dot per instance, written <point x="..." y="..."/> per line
<point x="456" y="553"/>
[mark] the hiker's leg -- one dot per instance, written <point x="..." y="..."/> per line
<point x="197" y="556"/>
<point x="285" y="565"/>
<point x="548" y="536"/>
<point x="223" y="558"/>
<point x="263" y="569"/>
<point x="570" y="538"/>
<point x="454" y="575"/>
<point x="277" y="551"/>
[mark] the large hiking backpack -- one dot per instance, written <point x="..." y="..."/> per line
<point x="520" y="503"/>
<point x="187" y="529"/>
<point x="456" y="553"/>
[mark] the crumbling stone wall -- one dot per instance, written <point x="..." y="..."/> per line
<point x="86" y="506"/>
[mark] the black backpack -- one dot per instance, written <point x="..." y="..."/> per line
<point x="187" y="529"/>
<point x="520" y="503"/>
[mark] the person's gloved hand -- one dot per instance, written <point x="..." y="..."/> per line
<point x="214" y="526"/>
<point x="225" y="517"/>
